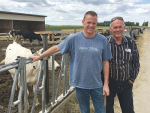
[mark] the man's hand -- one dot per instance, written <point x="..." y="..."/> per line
<point x="130" y="81"/>
<point x="106" y="90"/>
<point x="105" y="93"/>
<point x="35" y="58"/>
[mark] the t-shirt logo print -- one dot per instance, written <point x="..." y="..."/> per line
<point x="88" y="48"/>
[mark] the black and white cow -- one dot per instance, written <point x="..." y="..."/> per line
<point x="58" y="35"/>
<point x="24" y="34"/>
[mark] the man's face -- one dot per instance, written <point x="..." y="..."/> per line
<point x="117" y="28"/>
<point x="90" y="23"/>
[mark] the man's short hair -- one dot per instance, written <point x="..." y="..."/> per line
<point x="92" y="13"/>
<point x="114" y="18"/>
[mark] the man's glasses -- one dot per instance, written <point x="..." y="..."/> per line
<point x="119" y="18"/>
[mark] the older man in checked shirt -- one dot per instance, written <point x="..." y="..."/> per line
<point x="124" y="67"/>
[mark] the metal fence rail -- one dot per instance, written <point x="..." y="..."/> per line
<point x="20" y="69"/>
<point x="19" y="64"/>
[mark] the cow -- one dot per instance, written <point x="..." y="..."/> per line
<point x="106" y="34"/>
<point x="13" y="50"/>
<point x="24" y="34"/>
<point x="55" y="35"/>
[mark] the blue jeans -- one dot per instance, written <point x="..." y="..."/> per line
<point x="83" y="96"/>
<point x="124" y="93"/>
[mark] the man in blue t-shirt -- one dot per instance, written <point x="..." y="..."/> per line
<point x="89" y="54"/>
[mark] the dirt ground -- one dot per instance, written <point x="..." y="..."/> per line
<point x="141" y="90"/>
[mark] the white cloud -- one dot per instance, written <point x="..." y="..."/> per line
<point x="71" y="12"/>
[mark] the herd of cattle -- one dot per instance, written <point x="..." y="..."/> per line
<point x="132" y="32"/>
<point x="17" y="35"/>
<point x="15" y="49"/>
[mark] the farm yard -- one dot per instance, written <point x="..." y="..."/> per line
<point x="6" y="81"/>
<point x="23" y="23"/>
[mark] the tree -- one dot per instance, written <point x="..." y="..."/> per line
<point x="131" y="23"/>
<point x="137" y="24"/>
<point x="107" y="23"/>
<point x="145" y="23"/>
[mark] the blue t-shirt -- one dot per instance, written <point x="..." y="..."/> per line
<point x="86" y="58"/>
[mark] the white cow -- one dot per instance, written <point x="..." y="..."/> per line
<point x="13" y="50"/>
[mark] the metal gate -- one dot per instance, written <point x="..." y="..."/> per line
<point x="20" y="69"/>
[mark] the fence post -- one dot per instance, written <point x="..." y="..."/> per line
<point x="74" y="31"/>
<point x="45" y="47"/>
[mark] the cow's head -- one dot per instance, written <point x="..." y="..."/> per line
<point x="12" y="34"/>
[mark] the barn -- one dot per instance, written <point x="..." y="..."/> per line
<point x="21" y="21"/>
<point x="148" y="24"/>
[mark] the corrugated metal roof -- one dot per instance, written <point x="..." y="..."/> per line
<point x="21" y="14"/>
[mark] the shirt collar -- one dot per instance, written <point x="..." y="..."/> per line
<point x="124" y="40"/>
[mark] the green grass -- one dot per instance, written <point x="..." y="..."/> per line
<point x="48" y="27"/>
<point x="62" y="27"/>
<point x="53" y="28"/>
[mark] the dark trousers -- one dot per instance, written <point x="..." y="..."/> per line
<point x="124" y="93"/>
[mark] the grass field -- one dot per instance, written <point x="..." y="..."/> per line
<point x="53" y="28"/>
<point x="48" y="27"/>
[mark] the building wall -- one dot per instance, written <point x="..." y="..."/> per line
<point x="148" y="24"/>
<point x="5" y="26"/>
<point x="29" y="25"/>
<point x="20" y="21"/>
<point x="21" y="17"/>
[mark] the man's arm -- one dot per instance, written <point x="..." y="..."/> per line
<point x="48" y="52"/>
<point x="106" y="77"/>
<point x="135" y="63"/>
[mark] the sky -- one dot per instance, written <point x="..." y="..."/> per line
<point x="71" y="12"/>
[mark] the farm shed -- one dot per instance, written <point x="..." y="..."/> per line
<point x="148" y="24"/>
<point x="21" y="21"/>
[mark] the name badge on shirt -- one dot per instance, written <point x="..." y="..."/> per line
<point x="127" y="50"/>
